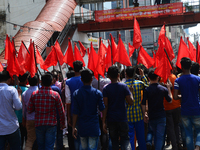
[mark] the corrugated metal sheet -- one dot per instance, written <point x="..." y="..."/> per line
<point x="54" y="16"/>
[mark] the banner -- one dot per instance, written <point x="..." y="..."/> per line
<point x="139" y="12"/>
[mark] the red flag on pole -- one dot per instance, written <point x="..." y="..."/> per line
<point x="101" y="59"/>
<point x="59" y="53"/>
<point x="144" y="58"/>
<point x="169" y="49"/>
<point x="198" y="53"/>
<point x="192" y="51"/>
<point x="30" y="61"/>
<point x="122" y="56"/>
<point x="183" y="51"/>
<point x="1" y="67"/>
<point x="92" y="62"/>
<point x="82" y="49"/>
<point x="161" y="36"/>
<point x="51" y="59"/>
<point x="69" y="57"/>
<point x="23" y="53"/>
<point x="137" y="38"/>
<point x="113" y="48"/>
<point x="88" y="51"/>
<point x="8" y="48"/>
<point x="164" y="68"/>
<point x="131" y="49"/>
<point x="77" y="55"/>
<point x="108" y="60"/>
<point x="40" y="60"/>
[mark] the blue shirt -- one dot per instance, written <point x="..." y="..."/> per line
<point x="116" y="94"/>
<point x="8" y="103"/>
<point x="74" y="83"/>
<point x="19" y="112"/>
<point x="87" y="100"/>
<point x="25" y="100"/>
<point x="189" y="86"/>
<point x="155" y="95"/>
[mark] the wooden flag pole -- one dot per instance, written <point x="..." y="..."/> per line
<point x="98" y="73"/>
<point x="16" y="81"/>
<point x="111" y="49"/>
<point x="135" y="66"/>
<point x="26" y="47"/>
<point x="36" y="63"/>
<point x="197" y="51"/>
<point x="168" y="58"/>
<point x="60" y="70"/>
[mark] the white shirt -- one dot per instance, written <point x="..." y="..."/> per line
<point x="9" y="102"/>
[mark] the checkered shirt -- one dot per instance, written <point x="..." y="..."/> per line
<point x="44" y="102"/>
<point x="134" y="112"/>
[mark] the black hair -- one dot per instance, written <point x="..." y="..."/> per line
<point x="70" y="74"/>
<point x="113" y="72"/>
<point x="86" y="75"/>
<point x="186" y="63"/>
<point x="129" y="71"/>
<point x="195" y="68"/>
<point x="47" y="79"/>
<point x="4" y="75"/>
<point x="70" y="68"/>
<point x="77" y="65"/>
<point x="24" y="77"/>
<point x="33" y="81"/>
<point x="152" y="76"/>
<point x="54" y="73"/>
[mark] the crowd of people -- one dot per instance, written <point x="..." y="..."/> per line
<point x="110" y="113"/>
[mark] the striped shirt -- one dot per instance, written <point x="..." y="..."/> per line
<point x="134" y="112"/>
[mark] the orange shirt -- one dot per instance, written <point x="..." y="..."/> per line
<point x="175" y="103"/>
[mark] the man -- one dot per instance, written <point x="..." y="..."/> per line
<point x="155" y="95"/>
<point x="44" y="102"/>
<point x="30" y="118"/>
<point x="87" y="101"/>
<point x="115" y="96"/>
<point x="10" y="101"/>
<point x="134" y="112"/>
<point x="59" y="134"/>
<point x="188" y="86"/>
<point x="73" y="84"/>
<point x="22" y="84"/>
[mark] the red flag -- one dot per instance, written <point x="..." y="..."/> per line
<point x="108" y="60"/>
<point x="77" y="55"/>
<point x="113" y="48"/>
<point x="69" y="57"/>
<point x="8" y="48"/>
<point x="59" y="53"/>
<point x="155" y="60"/>
<point x="51" y="59"/>
<point x="101" y="59"/>
<point x="1" y="67"/>
<point x="30" y="61"/>
<point x="168" y="48"/>
<point x="198" y="53"/>
<point x="160" y="51"/>
<point x="192" y="51"/>
<point x="82" y="49"/>
<point x="161" y="36"/>
<point x="13" y="66"/>
<point x="164" y="68"/>
<point x="137" y="38"/>
<point x="183" y="51"/>
<point x="144" y="58"/>
<point x="92" y="62"/>
<point x="122" y="56"/>
<point x="40" y="60"/>
<point x="23" y="53"/>
<point x="131" y="49"/>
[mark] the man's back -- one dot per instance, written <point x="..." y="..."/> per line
<point x="116" y="93"/>
<point x="44" y="102"/>
<point x="8" y="103"/>
<point x="189" y="88"/>
<point x="86" y="101"/>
